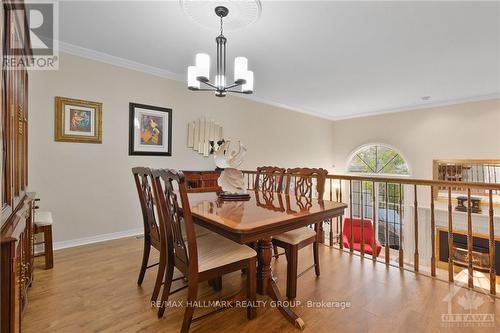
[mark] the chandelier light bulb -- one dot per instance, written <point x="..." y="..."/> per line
<point x="240" y="68"/>
<point x="248" y="86"/>
<point x="193" y="83"/>
<point x="203" y="66"/>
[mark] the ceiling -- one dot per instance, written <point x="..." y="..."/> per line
<point x="330" y="59"/>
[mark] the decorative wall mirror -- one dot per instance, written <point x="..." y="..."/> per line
<point x="204" y="136"/>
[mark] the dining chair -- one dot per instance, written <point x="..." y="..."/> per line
<point x="203" y="182"/>
<point x="143" y="182"/>
<point x="142" y="177"/>
<point x="270" y="179"/>
<point x="305" y="184"/>
<point x="199" y="259"/>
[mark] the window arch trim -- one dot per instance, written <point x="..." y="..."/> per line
<point x="358" y="149"/>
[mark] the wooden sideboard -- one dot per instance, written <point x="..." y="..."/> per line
<point x="16" y="260"/>
<point x="202" y="181"/>
<point x="17" y="205"/>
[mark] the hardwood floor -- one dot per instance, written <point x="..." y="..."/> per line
<point x="93" y="288"/>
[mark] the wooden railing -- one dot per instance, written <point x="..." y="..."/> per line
<point x="410" y="193"/>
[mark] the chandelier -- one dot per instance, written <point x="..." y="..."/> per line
<point x="200" y="74"/>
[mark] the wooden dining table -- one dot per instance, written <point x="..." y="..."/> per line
<point x="257" y="220"/>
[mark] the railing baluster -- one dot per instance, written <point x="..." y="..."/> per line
<point x="331" y="220"/>
<point x="362" y="223"/>
<point x="450" y="237"/>
<point x="339" y="198"/>
<point x="492" y="247"/>
<point x="387" y="253"/>
<point x="351" y="237"/>
<point x="401" y="251"/>
<point x="469" y="240"/>
<point x="415" y="260"/>
<point x="433" y="235"/>
<point x="331" y="192"/>
<point x="374" y="215"/>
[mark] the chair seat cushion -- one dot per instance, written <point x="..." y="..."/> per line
<point x="43" y="218"/>
<point x="216" y="251"/>
<point x="296" y="236"/>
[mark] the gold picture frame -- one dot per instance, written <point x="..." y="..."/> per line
<point x="77" y="120"/>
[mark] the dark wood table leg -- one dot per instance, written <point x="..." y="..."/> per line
<point x="264" y="265"/>
<point x="266" y="284"/>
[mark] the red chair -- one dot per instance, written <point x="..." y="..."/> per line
<point x="356" y="228"/>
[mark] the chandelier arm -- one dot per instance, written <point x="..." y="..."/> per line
<point x="204" y="89"/>
<point x="239" y="92"/>
<point x="236" y="84"/>
<point x="209" y="84"/>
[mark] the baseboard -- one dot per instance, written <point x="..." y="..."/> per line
<point x="97" y="238"/>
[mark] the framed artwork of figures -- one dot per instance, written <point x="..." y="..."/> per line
<point x="77" y="120"/>
<point x="150" y="130"/>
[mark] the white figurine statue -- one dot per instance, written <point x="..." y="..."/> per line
<point x="231" y="180"/>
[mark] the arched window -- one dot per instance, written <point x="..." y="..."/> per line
<point x="377" y="159"/>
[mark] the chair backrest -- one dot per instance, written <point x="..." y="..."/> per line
<point x="143" y="182"/>
<point x="302" y="181"/>
<point x="269" y="179"/>
<point x="270" y="200"/>
<point x="356" y="229"/>
<point x="169" y="186"/>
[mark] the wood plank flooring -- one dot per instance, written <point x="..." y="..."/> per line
<point x="93" y="288"/>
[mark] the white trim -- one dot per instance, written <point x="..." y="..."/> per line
<point x="97" y="238"/>
<point x="136" y="66"/>
<point x="370" y="174"/>
<point x="117" y="61"/>
<point x="426" y="105"/>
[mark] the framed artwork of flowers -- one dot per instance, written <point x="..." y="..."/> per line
<point x="150" y="130"/>
<point x="77" y="120"/>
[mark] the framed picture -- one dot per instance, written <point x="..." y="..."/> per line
<point x="150" y="130"/>
<point x="78" y="120"/>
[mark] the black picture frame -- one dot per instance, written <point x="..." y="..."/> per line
<point x="155" y="109"/>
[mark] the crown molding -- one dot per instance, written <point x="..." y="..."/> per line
<point x="427" y="105"/>
<point x="117" y="61"/>
<point x="136" y="66"/>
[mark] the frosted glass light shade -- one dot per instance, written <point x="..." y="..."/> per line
<point x="248" y="86"/>
<point x="192" y="74"/>
<point x="203" y="65"/>
<point x="240" y="68"/>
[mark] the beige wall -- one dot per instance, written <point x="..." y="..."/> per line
<point x="469" y="131"/>
<point x="89" y="187"/>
